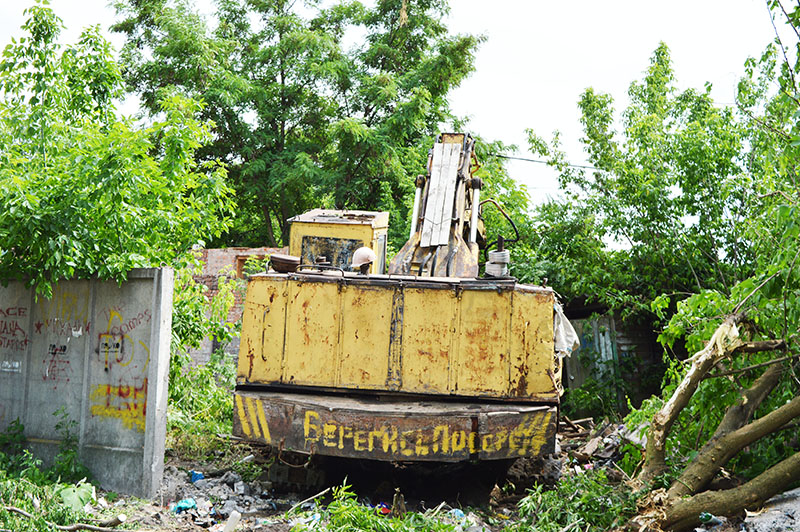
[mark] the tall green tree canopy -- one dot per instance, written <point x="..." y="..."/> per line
<point x="669" y="194"/>
<point x="82" y="191"/>
<point x="302" y="120"/>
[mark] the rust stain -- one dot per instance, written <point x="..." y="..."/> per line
<point x="521" y="388"/>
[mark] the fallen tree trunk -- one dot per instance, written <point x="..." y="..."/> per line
<point x="723" y="342"/>
<point x="717" y="452"/>
<point x="684" y="514"/>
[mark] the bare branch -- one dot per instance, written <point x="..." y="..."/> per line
<point x="754" y="366"/>
<point x="756" y="289"/>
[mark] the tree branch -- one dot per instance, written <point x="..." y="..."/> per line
<point x="683" y="514"/>
<point x="754" y="366"/>
<point x="756" y="289"/>
<point x="722" y="343"/>
<point x="742" y="411"/>
<point x="717" y="452"/>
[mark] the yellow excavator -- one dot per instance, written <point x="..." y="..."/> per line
<point x="427" y="362"/>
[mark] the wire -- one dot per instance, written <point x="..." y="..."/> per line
<point x="542" y="162"/>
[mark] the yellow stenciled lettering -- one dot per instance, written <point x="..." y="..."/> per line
<point x="262" y="419"/>
<point x="458" y="441"/>
<point x="390" y="440"/>
<point x="405" y="448"/>
<point x="499" y="439"/>
<point x="513" y="439"/>
<point x="329" y="435"/>
<point x="537" y="438"/>
<point x="486" y="442"/>
<point x="344" y="433"/>
<point x="441" y="434"/>
<point x="420" y="449"/>
<point x="473" y="446"/>
<point x="359" y="440"/>
<point x="311" y="422"/>
<point x="375" y="434"/>
<point x="242" y="415"/>
<point x="251" y="410"/>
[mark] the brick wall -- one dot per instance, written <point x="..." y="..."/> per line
<point x="225" y="262"/>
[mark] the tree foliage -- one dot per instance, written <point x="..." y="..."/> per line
<point x="83" y="192"/>
<point x="689" y="217"/>
<point x="302" y="121"/>
<point x="667" y="201"/>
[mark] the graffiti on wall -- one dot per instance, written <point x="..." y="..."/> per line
<point x="124" y="401"/>
<point x="66" y="314"/>
<point x="13" y="336"/>
<point x="124" y="395"/>
<point x="55" y="366"/>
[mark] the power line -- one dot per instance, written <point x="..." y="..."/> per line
<point x="542" y="162"/>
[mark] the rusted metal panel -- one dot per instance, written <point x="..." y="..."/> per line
<point x="365" y="335"/>
<point x="532" y="331"/>
<point x="250" y="345"/>
<point x="431" y="336"/>
<point x="273" y="335"/>
<point x="483" y="362"/>
<point x="427" y="337"/>
<point x="394" y="431"/>
<point x="312" y="347"/>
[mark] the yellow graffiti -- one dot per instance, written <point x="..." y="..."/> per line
<point x="242" y="417"/>
<point x="65" y="305"/>
<point x="127" y="403"/>
<point x="250" y="413"/>
<point x="525" y="439"/>
<point x="111" y="343"/>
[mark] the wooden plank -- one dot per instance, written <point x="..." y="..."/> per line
<point x="435" y="196"/>
<point x="438" y="211"/>
<point x="450" y="160"/>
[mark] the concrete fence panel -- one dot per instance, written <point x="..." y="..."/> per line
<point x="99" y="352"/>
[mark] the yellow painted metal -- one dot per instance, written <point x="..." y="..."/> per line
<point x="482" y="366"/>
<point x="312" y="347"/>
<point x="366" y="324"/>
<point x="327" y="227"/>
<point x="428" y="322"/>
<point x="531" y="367"/>
<point x="442" y="337"/>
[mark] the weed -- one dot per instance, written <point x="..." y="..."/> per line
<point x="345" y="513"/>
<point x="66" y="465"/>
<point x="201" y="407"/>
<point x="580" y="500"/>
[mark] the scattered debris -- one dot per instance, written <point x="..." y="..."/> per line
<point x="780" y="513"/>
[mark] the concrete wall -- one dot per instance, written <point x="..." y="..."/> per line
<point x="101" y="351"/>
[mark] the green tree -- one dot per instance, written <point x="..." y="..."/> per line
<point x="668" y="191"/>
<point x="301" y="121"/>
<point x="83" y="192"/>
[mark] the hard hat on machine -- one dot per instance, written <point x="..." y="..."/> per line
<point x="363" y="256"/>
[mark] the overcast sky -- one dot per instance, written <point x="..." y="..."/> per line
<point x="540" y="55"/>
